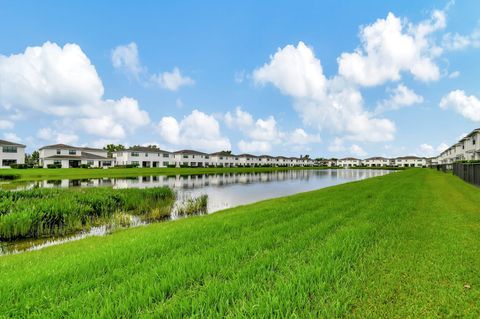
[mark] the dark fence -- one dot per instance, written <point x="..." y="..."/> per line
<point x="443" y="167"/>
<point x="468" y="172"/>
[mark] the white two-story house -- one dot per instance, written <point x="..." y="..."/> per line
<point x="192" y="158"/>
<point x="376" y="161"/>
<point x="11" y="153"/>
<point x="248" y="160"/>
<point x="141" y="156"/>
<point x="67" y="156"/>
<point x="472" y="145"/>
<point x="410" y="161"/>
<point x="349" y="162"/>
<point x="224" y="159"/>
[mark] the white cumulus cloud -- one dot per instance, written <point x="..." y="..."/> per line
<point x="400" y="97"/>
<point x="12" y="137"/>
<point x="466" y="105"/>
<point x="357" y="151"/>
<point x="430" y="151"/>
<point x="391" y="46"/>
<point x="5" y="124"/>
<point x="197" y="130"/>
<point x="125" y="57"/>
<point x="172" y="80"/>
<point x="54" y="136"/>
<point x="61" y="81"/>
<point x="322" y="103"/>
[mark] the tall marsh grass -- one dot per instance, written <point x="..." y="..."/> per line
<point x="193" y="206"/>
<point x="54" y="212"/>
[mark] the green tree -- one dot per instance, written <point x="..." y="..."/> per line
<point x="110" y="148"/>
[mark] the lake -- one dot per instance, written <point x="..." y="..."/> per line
<point x="227" y="189"/>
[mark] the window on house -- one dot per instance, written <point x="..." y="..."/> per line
<point x="134" y="154"/>
<point x="165" y="163"/>
<point x="9" y="149"/>
<point x="71" y="152"/>
<point x="473" y="141"/>
<point x="8" y="162"/>
<point x="135" y="163"/>
<point x="207" y="157"/>
<point x="165" y="155"/>
<point x="89" y="162"/>
<point x="59" y="152"/>
<point x="185" y="156"/>
<point x="146" y="154"/>
<point x="57" y="162"/>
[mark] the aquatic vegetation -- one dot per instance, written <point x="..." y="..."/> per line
<point x="193" y="206"/>
<point x="55" y="212"/>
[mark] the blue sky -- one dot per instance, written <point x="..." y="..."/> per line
<point x="285" y="77"/>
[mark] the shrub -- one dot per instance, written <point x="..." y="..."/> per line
<point x="54" y="166"/>
<point x="19" y="166"/>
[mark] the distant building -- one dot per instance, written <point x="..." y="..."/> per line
<point x="11" y="153"/>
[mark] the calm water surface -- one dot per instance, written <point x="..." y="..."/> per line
<point x="228" y="189"/>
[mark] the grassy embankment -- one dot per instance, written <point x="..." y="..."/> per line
<point x="54" y="212"/>
<point x="397" y="246"/>
<point x="84" y="173"/>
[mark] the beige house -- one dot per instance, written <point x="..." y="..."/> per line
<point x="67" y="156"/>
<point x="11" y="153"/>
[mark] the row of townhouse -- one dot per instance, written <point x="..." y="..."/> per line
<point x="152" y="157"/>
<point x="467" y="149"/>
<point x="67" y="156"/>
<point x="404" y="161"/>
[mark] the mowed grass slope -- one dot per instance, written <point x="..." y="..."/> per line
<point x="402" y="245"/>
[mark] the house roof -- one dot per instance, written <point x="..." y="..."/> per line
<point x="409" y="157"/>
<point x="190" y="152"/>
<point x="7" y="143"/>
<point x="377" y="158"/>
<point x="247" y="155"/>
<point x="83" y="156"/>
<point x="222" y="153"/>
<point x="65" y="146"/>
<point x="145" y="149"/>
<point x="266" y="156"/>
<point x="349" y="159"/>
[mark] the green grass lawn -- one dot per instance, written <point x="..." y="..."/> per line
<point x="404" y="245"/>
<point x="80" y="173"/>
